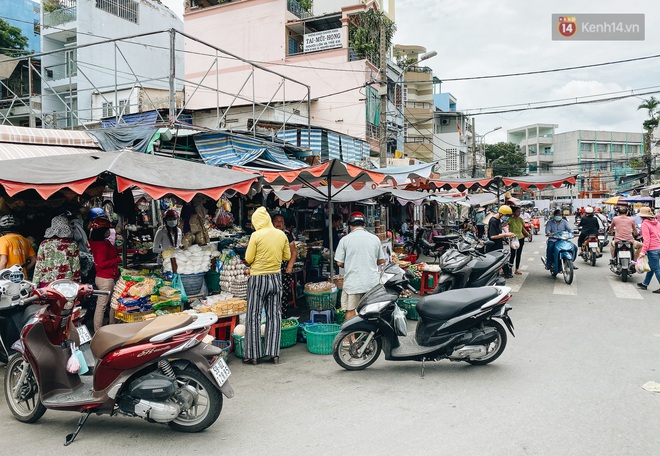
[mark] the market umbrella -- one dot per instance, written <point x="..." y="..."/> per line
<point x="637" y="199"/>
<point x="157" y="176"/>
<point x="612" y="200"/>
<point x="339" y="175"/>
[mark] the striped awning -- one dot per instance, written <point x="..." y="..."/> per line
<point x="26" y="135"/>
<point x="11" y="151"/>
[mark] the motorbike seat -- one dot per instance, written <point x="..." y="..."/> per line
<point x="112" y="337"/>
<point x="444" y="306"/>
<point x="446" y="238"/>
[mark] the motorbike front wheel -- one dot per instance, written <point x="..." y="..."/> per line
<point x="346" y="346"/>
<point x="205" y="410"/>
<point x="27" y="407"/>
<point x="495" y="348"/>
<point x="567" y="270"/>
<point x="530" y="237"/>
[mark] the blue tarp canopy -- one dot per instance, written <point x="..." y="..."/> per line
<point x="223" y="148"/>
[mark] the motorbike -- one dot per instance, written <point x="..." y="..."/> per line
<point x="591" y="249"/>
<point x="458" y="325"/>
<point x="622" y="261"/>
<point x="463" y="266"/>
<point x="13" y="288"/>
<point x="421" y="244"/>
<point x="158" y="370"/>
<point x="564" y="254"/>
<point x="530" y="231"/>
<point x="536" y="224"/>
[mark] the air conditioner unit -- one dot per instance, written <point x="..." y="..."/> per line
<point x="445" y="121"/>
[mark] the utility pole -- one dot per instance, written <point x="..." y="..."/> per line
<point x="648" y="159"/>
<point x="383" y="97"/>
<point x="474" y="150"/>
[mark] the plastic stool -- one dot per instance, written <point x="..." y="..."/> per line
<point x="224" y="328"/>
<point x="429" y="282"/>
<point x="321" y="316"/>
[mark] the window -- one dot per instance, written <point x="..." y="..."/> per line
<point x="532" y="168"/>
<point x="294" y="46"/>
<point x="633" y="149"/>
<point x="124" y="107"/>
<point x="586" y="147"/>
<point x="108" y="110"/>
<point x="617" y="148"/>
<point x="602" y="166"/>
<point x="451" y="159"/>
<point x="547" y="150"/>
<point x="125" y="9"/>
<point x="601" y="148"/>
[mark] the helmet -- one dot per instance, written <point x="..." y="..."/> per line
<point x="100" y="222"/>
<point x="589" y="210"/>
<point x="356" y="218"/>
<point x="95" y="212"/>
<point x="598" y="209"/>
<point x="8" y="221"/>
<point x="505" y="210"/>
<point x="171" y="213"/>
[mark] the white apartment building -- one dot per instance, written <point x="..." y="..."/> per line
<point x="86" y="76"/>
<point x="452" y="141"/>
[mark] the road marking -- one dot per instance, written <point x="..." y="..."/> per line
<point x="524" y="267"/>
<point x="536" y="252"/>
<point x="623" y="290"/>
<point x="531" y="258"/>
<point x="562" y="288"/>
<point x="516" y="282"/>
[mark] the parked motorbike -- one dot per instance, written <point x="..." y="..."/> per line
<point x="530" y="230"/>
<point x="458" y="325"/>
<point x="463" y="266"/>
<point x="536" y="224"/>
<point x="12" y="289"/>
<point x="157" y="370"/>
<point x="622" y="261"/>
<point x="564" y="254"/>
<point x="591" y="249"/>
<point x="421" y="244"/>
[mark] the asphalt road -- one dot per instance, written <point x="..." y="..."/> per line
<point x="569" y="383"/>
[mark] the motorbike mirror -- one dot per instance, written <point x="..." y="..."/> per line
<point x="410" y="274"/>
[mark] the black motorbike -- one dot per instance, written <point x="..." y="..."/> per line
<point x="463" y="266"/>
<point x="622" y="263"/>
<point x="435" y="249"/>
<point x="457" y="325"/>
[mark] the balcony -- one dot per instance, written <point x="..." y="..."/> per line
<point x="59" y="12"/>
<point x="297" y="9"/>
<point x="60" y="71"/>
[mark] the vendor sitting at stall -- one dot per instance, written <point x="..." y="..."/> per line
<point x="168" y="236"/>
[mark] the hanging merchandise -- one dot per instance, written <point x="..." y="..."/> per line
<point x="223" y="216"/>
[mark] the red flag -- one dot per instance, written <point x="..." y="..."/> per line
<point x="458" y="127"/>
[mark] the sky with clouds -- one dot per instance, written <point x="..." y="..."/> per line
<point x="486" y="37"/>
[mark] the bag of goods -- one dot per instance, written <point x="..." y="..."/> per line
<point x="320" y="287"/>
<point x="142" y="289"/>
<point x="239" y="330"/>
<point x="168" y="292"/>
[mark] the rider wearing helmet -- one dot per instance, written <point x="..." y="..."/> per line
<point x="589" y="226"/>
<point x="359" y="253"/>
<point x="624" y="229"/>
<point x="168" y="236"/>
<point x="495" y="233"/>
<point x="14" y="248"/>
<point x="95" y="212"/>
<point x="554" y="225"/>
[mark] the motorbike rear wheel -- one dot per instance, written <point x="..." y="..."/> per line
<point x="346" y="345"/>
<point x="624" y="275"/>
<point x="567" y="270"/>
<point x="495" y="348"/>
<point x="530" y="237"/>
<point x="206" y="410"/>
<point x="27" y="407"/>
<point x="593" y="258"/>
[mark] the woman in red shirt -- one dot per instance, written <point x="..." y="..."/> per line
<point x="106" y="262"/>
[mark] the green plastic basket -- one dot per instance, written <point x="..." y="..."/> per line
<point x="416" y="283"/>
<point x="238" y="345"/>
<point x="289" y="336"/>
<point x="410" y="306"/>
<point x="340" y="316"/>
<point x="321" y="301"/>
<point x="320" y="338"/>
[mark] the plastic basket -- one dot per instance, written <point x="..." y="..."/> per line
<point x="315" y="260"/>
<point x="238" y="345"/>
<point x="289" y="335"/>
<point x="410" y="306"/>
<point x="192" y="283"/>
<point x="411" y="257"/>
<point x="416" y="283"/>
<point x="340" y="316"/>
<point x="212" y="281"/>
<point x="224" y="345"/>
<point x="321" y="301"/>
<point x="320" y="338"/>
<point x="132" y="317"/>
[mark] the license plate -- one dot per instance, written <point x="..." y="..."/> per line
<point x="624" y="254"/>
<point x="83" y="334"/>
<point x="593" y="245"/>
<point x="220" y="371"/>
<point x="601" y="238"/>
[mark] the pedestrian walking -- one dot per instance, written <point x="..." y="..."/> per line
<point x="287" y="266"/>
<point x="650" y="247"/>
<point x="479" y="221"/>
<point x="517" y="227"/>
<point x="359" y="253"/>
<point x="14" y="248"/>
<point x="58" y="256"/>
<point x="106" y="262"/>
<point x="267" y="249"/>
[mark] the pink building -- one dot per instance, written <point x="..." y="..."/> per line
<point x="279" y="35"/>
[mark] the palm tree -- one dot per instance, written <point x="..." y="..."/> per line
<point x="651" y="105"/>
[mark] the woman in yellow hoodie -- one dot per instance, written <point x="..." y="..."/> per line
<point x="267" y="248"/>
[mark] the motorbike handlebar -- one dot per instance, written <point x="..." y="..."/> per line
<point x="101" y="293"/>
<point x="411" y="288"/>
<point x="30" y="299"/>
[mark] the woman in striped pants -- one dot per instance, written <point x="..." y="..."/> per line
<point x="267" y="248"/>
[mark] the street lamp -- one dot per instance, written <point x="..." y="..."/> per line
<point x="474" y="146"/>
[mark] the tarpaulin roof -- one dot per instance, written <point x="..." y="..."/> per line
<point x="223" y="148"/>
<point x="136" y="138"/>
<point x="461" y="184"/>
<point x="348" y="195"/>
<point x="540" y="182"/>
<point x="26" y="135"/>
<point x="481" y="199"/>
<point x="157" y="176"/>
<point x="11" y="151"/>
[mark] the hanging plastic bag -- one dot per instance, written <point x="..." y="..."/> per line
<point x="176" y="283"/>
<point x="642" y="265"/>
<point x="514" y="244"/>
<point x="73" y="364"/>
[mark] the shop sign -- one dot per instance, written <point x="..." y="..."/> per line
<point x="327" y="39"/>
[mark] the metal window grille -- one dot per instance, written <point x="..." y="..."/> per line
<point x="124" y="9"/>
<point x="452" y="160"/>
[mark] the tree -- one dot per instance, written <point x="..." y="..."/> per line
<point x="506" y="159"/>
<point x="651" y="105"/>
<point x="12" y="41"/>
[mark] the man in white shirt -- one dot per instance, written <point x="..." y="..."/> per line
<point x="359" y="253"/>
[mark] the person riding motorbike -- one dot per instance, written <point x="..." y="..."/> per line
<point x="589" y="226"/>
<point x="624" y="229"/>
<point x="555" y="225"/>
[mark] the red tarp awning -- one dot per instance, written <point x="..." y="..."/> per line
<point x="461" y="184"/>
<point x="539" y="182"/>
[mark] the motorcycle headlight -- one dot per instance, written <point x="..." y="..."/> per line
<point x="374" y="307"/>
<point x="67" y="288"/>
